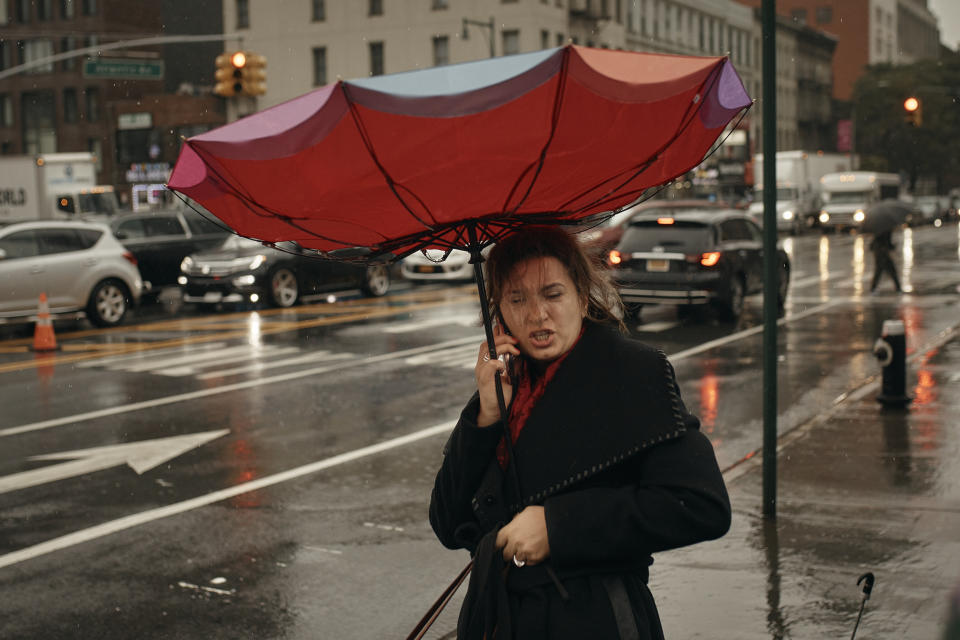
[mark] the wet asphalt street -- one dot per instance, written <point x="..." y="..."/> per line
<point x="266" y="474"/>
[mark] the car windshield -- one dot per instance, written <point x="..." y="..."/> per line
<point x="681" y="236"/>
<point x="102" y="203"/>
<point x="239" y="243"/>
<point x="841" y="197"/>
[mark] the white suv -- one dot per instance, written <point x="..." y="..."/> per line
<point x="79" y="265"/>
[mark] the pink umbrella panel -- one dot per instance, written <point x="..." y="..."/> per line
<point x="408" y="161"/>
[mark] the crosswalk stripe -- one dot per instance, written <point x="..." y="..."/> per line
<point x="464" y="356"/>
<point x="196" y="367"/>
<point x="139" y="356"/>
<point x="190" y="358"/>
<point x="314" y="356"/>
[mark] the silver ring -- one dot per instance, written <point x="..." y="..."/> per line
<point x="486" y="357"/>
<point x="518" y="562"/>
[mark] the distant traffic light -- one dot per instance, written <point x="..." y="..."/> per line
<point x="240" y="73"/>
<point x="913" y="111"/>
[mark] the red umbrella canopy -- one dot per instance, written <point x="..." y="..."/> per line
<point x="407" y="161"/>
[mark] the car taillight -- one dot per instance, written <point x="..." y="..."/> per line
<point x="614" y="257"/>
<point x="710" y="259"/>
<point x="129" y="257"/>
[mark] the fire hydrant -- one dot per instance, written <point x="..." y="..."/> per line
<point x="891" y="351"/>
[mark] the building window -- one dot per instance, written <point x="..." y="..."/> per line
<point x="441" y="50"/>
<point x="71" y="110"/>
<point x="36" y="50"/>
<point x="92" y="95"/>
<point x="376" y="7"/>
<point x="799" y="15"/>
<point x="89" y="7"/>
<point x="23" y="11"/>
<point x="6" y="55"/>
<point x="319" y="66"/>
<point x="438" y="5"/>
<point x="544" y="39"/>
<point x="824" y="15"/>
<point x="511" y="42"/>
<point x="68" y="43"/>
<point x="561" y="40"/>
<point x="507" y="1"/>
<point x="376" y="58"/>
<point x="243" y="14"/>
<point x="45" y="9"/>
<point x="319" y="11"/>
<point x="67" y="9"/>
<point x="6" y="110"/>
<point x="95" y="146"/>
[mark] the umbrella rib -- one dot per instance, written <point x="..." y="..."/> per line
<point x="692" y="109"/>
<point x="554" y="121"/>
<point x="253" y="206"/>
<point x="391" y="183"/>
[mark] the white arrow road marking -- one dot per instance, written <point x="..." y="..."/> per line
<point x="137" y="519"/>
<point x="141" y="456"/>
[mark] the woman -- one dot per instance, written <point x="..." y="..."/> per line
<point x="611" y="467"/>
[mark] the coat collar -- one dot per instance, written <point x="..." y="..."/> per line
<point x="611" y="398"/>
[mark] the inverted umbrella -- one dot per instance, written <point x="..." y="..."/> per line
<point x="459" y="156"/>
<point x="885" y="215"/>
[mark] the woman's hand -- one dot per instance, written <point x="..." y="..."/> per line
<point x="525" y="538"/>
<point x="487" y="370"/>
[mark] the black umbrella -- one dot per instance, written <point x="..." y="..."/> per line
<point x="885" y="215"/>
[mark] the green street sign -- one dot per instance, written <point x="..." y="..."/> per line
<point x="119" y="68"/>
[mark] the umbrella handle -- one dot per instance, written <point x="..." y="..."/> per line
<point x="476" y="259"/>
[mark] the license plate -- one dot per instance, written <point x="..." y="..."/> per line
<point x="658" y="265"/>
<point x="212" y="296"/>
<point x="427" y="268"/>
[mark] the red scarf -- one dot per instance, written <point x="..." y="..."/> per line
<point x="526" y="393"/>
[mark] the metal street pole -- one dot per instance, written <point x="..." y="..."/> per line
<point x="121" y="44"/>
<point x="491" y="25"/>
<point x="770" y="266"/>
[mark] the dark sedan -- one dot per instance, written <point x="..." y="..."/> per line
<point x="245" y="271"/>
<point x="691" y="258"/>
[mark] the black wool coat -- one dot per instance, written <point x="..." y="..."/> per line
<point x="622" y="472"/>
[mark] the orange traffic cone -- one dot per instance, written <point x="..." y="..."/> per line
<point x="43" y="336"/>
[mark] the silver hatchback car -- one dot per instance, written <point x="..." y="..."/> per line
<point x="80" y="266"/>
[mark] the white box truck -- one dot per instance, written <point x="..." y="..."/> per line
<point x="798" y="186"/>
<point x="53" y="186"/>
<point x="848" y="195"/>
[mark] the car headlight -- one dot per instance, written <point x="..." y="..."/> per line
<point x="257" y="261"/>
<point x="186" y="264"/>
<point x="787" y="215"/>
<point x="824" y="216"/>
<point x="859" y="215"/>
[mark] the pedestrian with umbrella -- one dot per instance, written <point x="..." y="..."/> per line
<point x="611" y="466"/>
<point x="881" y="220"/>
<point x="467" y="156"/>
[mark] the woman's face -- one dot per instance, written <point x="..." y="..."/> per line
<point x="542" y="308"/>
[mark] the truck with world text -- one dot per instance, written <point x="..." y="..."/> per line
<point x="53" y="186"/>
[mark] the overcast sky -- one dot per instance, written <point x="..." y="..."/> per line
<point x="948" y="13"/>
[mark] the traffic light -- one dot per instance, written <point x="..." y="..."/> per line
<point x="913" y="112"/>
<point x="254" y="75"/>
<point x="240" y="73"/>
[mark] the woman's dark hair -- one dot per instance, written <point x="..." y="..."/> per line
<point x="591" y="280"/>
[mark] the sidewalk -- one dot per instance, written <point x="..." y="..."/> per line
<point x="860" y="488"/>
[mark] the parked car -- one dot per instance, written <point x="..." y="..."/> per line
<point x="693" y="257"/>
<point x="427" y="268"/>
<point x="599" y="240"/>
<point x="80" y="266"/>
<point x="160" y="240"/>
<point x="242" y="270"/>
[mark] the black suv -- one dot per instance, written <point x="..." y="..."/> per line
<point x="693" y="258"/>
<point x="160" y="240"/>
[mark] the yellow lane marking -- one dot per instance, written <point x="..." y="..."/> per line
<point x="264" y="330"/>
<point x="89" y="346"/>
<point x="340" y="307"/>
<point x="14" y="349"/>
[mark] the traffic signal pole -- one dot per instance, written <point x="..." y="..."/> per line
<point x="770" y="266"/>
